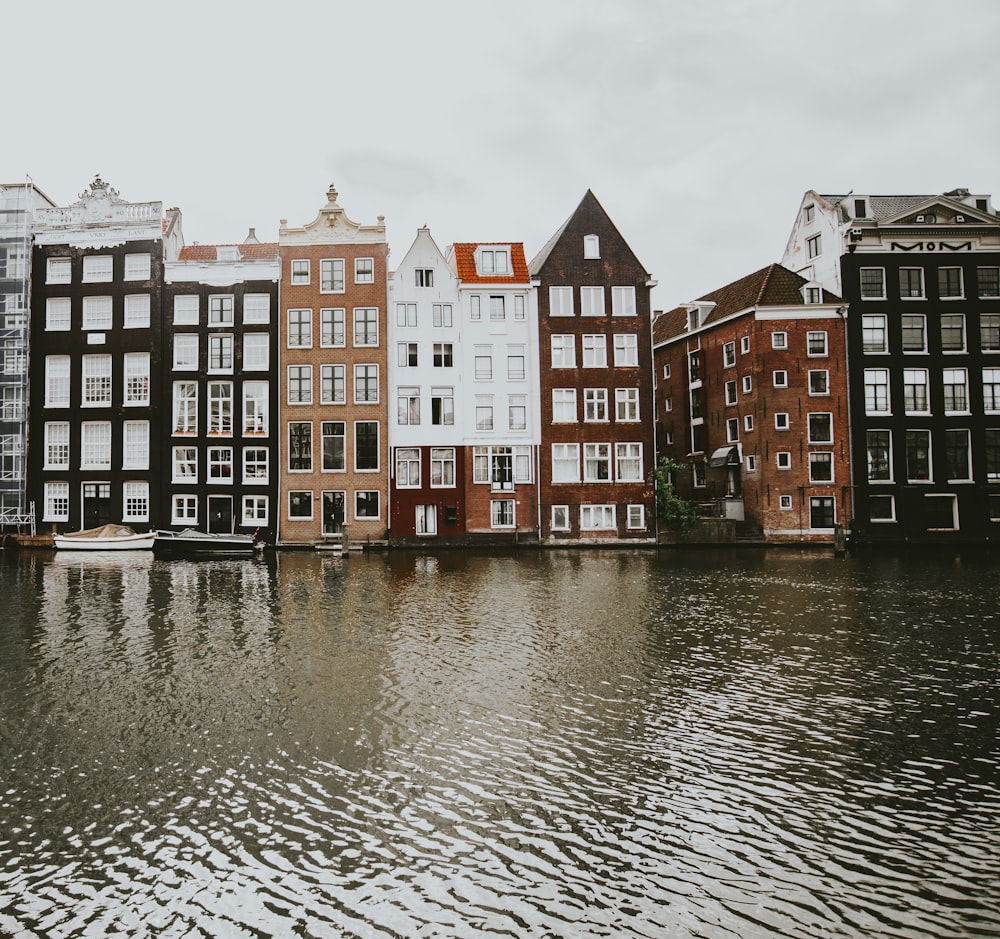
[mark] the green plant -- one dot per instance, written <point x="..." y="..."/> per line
<point x="671" y="509"/>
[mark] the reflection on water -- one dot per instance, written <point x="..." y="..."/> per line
<point x="535" y="744"/>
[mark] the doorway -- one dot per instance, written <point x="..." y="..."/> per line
<point x="96" y="504"/>
<point x="220" y="515"/>
<point x="333" y="512"/>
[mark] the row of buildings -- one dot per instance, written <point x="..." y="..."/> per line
<point x="304" y="388"/>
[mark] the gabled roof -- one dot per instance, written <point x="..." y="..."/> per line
<point x="464" y="255"/>
<point x="773" y="285"/>
<point x="266" y="251"/>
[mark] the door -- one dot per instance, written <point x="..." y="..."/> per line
<point x="220" y="515"/>
<point x="96" y="504"/>
<point x="333" y="512"/>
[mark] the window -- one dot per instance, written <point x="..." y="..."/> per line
<point x="636" y="517"/>
<point x="333" y="384"/>
<point x="475" y="308"/>
<point x="916" y="397"/>
<point x="958" y="464"/>
<point x="595" y="404"/>
<point x="914" y="332"/>
<point x="814" y="246"/>
<point x="254" y="510"/>
<point x="989" y="332"/>
<point x="220" y="464"/>
<point x="407" y="406"/>
<point x="560" y="518"/>
<point x="597" y="518"/>
<point x="784" y="460"/>
<point x="256" y="308"/>
<point x="98" y="269"/>
<point x="365" y="326"/>
<point x="592" y="301"/>
<point x="595" y="351"/>
<point x="563" y="352"/>
<point x="255" y="408"/>
<point x="779" y="340"/>
<point x="992" y="455"/>
<point x="424" y="277"/>
<point x="300" y="329"/>
<point x="950" y="283"/>
<point x="11" y="403"/>
<point x="784" y="502"/>
<point x="822" y="512"/>
<point x="565" y="463"/>
<point x="591" y="246"/>
<point x="443" y="355"/>
<point x="56" y="502"/>
<point x="333" y="444"/>
<point x="872" y="283"/>
<point x="991" y="389"/>
<point x="918" y="456"/>
<point x="502" y="513"/>
<point x="494" y="260"/>
<point x="731" y="392"/>
<point x="698" y="475"/>
<point x="426" y="520"/>
<point x="728" y="354"/>
<point x="816" y="342"/>
<point x="300" y="505"/>
<point x="484" y="367"/>
<point x="406" y="354"/>
<point x="744" y="345"/>
<point x="331" y="275"/>
<point x="819" y="381"/>
<point x="623" y="301"/>
<point x="366" y="388"/>
<point x="808" y="213"/>
<point x="299" y="446"/>
<point x="484" y="414"/>
<point x="666" y="370"/>
<point x="882" y="508"/>
<point x="442" y="406"/>
<point x="873" y="333"/>
<point x="406" y="314"/>
<point x="256" y="352"/>
<point x="220" y="310"/>
<point x="57" y="375"/>
<point x="57" y="315"/>
<point x="255" y="465"/>
<point x="332" y="328"/>
<point x="987" y="278"/>
<point x="596" y="462"/>
<point x="747" y="383"/>
<point x="60" y="271"/>
<point x="185" y="465"/>
<point x="820" y="467"/>
<point x="564" y="406"/>
<point x="300" y="272"/>
<point x="814" y="294"/>
<point x="911" y="282"/>
<point x="953" y="332"/>
<point x="442" y="467"/>
<point x="515" y="367"/>
<point x="97" y="313"/>
<point x="136" y="372"/>
<point x="366" y="504"/>
<point x="876" y="391"/>
<point x="56" y="445"/>
<point x="694" y="366"/>
<point x="185" y="510"/>
<point x="498" y="311"/>
<point x="748" y="422"/>
<point x="626" y="404"/>
<point x="95" y="445"/>
<point x="366" y="445"/>
<point x="185" y="407"/>
<point x="187" y="311"/>
<point x="820" y="427"/>
<point x="408" y="468"/>
<point x="879" y="445"/>
<point x="441" y="314"/>
<point x="956" y="390"/>
<point x="781" y="421"/>
<point x="517" y="412"/>
<point x="137" y="267"/>
<point x="96" y="380"/>
<point x="752" y="463"/>
<point x="732" y="430"/>
<point x="780" y="379"/>
<point x="137" y="311"/>
<point x="220" y="352"/>
<point x="364" y="270"/>
<point x="300" y="384"/>
<point x="220" y="408"/>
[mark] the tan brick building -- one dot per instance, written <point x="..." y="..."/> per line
<point x="332" y="369"/>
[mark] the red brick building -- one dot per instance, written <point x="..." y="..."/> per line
<point x="751" y="396"/>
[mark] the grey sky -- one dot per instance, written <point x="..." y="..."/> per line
<point x="698" y="125"/>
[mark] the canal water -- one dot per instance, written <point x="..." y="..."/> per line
<point x="555" y="744"/>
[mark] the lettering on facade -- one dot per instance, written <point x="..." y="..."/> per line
<point x="931" y="246"/>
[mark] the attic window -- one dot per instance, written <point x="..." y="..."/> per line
<point x="494" y="261"/>
<point x="693" y="318"/>
<point x="591" y="246"/>
<point x="808" y="212"/>
<point x="228" y="253"/>
<point x="814" y="295"/>
<point x="860" y="208"/>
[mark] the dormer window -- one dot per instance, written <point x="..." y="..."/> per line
<point x="693" y="319"/>
<point x="227" y="253"/>
<point x="591" y="246"/>
<point x="494" y="261"/>
<point x="860" y="208"/>
<point x="813" y="294"/>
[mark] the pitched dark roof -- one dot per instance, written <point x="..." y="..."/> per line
<point x="773" y="285"/>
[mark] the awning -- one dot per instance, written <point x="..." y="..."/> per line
<point x="725" y="456"/>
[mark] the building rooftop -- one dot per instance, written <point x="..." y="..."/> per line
<point x="464" y="254"/>
<point x="266" y="251"/>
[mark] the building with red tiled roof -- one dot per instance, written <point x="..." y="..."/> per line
<point x="751" y="399"/>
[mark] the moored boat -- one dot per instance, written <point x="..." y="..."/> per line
<point x="105" y="538"/>
<point x="192" y="543"/>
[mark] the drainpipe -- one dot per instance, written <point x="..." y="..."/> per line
<point x="850" y="423"/>
<point x="538" y="491"/>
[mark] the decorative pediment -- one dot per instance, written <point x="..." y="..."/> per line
<point x="332" y="226"/>
<point x="942" y="211"/>
<point x="99" y="218"/>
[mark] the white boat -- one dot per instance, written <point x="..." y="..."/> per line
<point x="192" y="543"/>
<point x="106" y="538"/>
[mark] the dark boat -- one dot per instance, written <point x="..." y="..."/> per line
<point x="190" y="543"/>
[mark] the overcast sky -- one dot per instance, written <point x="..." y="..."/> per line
<point x="698" y="125"/>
